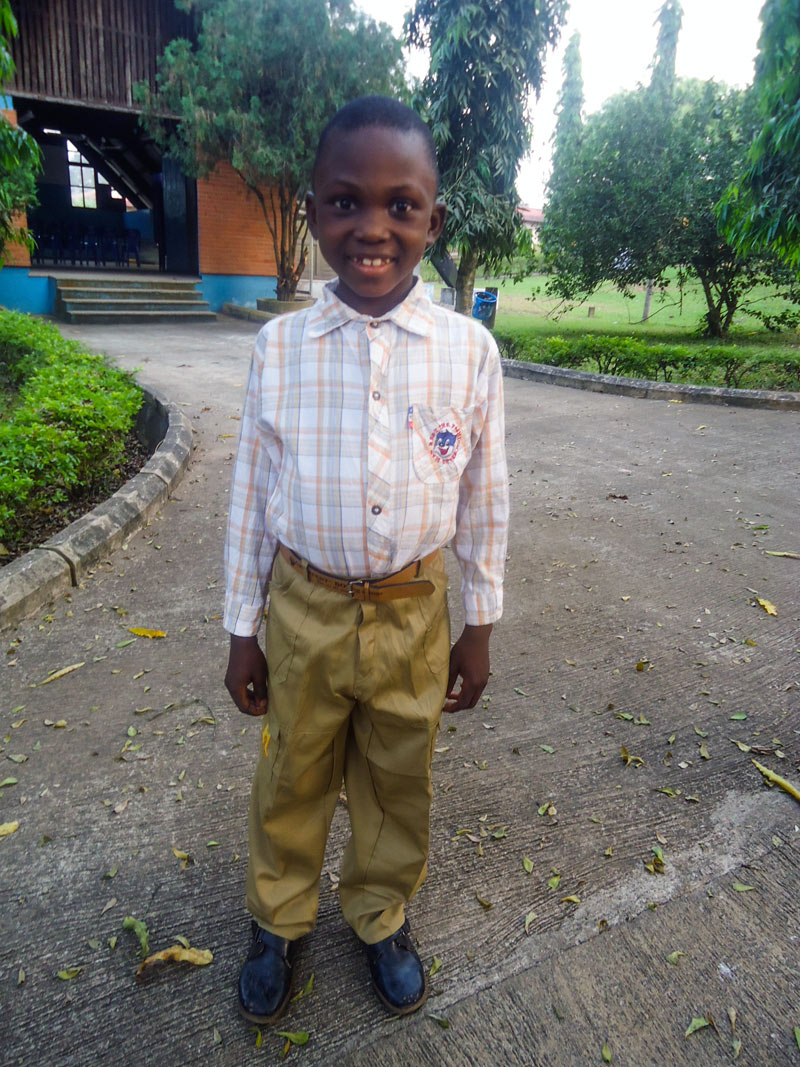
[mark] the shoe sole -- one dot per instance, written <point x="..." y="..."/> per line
<point x="265" y="1020"/>
<point x="406" y="1009"/>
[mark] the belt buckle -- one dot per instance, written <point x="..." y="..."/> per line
<point x="361" y="585"/>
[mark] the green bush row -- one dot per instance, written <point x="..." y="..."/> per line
<point x="630" y="357"/>
<point x="66" y="419"/>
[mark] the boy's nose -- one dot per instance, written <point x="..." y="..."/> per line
<point x="371" y="226"/>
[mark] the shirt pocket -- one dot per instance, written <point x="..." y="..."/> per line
<point x="441" y="442"/>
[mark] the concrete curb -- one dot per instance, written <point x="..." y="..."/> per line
<point x="236" y="311"/>
<point x="646" y="390"/>
<point x="29" y="583"/>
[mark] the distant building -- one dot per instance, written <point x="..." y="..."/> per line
<point x="108" y="197"/>
<point x="532" y="219"/>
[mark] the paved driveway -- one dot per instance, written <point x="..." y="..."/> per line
<point x="637" y="556"/>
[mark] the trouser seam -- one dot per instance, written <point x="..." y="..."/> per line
<point x="368" y="864"/>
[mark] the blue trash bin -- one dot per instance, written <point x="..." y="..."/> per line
<point x="483" y="305"/>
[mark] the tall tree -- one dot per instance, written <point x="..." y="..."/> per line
<point x="638" y="200"/>
<point x="662" y="79"/>
<point x="760" y="211"/>
<point x="662" y="85"/>
<point x="486" y="62"/>
<point x="569" y="110"/>
<point x="256" y="91"/>
<point x="20" y="158"/>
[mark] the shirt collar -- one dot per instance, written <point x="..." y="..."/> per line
<point x="414" y="314"/>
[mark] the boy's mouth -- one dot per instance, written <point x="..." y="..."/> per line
<point x="371" y="261"/>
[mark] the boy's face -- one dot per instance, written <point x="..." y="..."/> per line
<point x="374" y="212"/>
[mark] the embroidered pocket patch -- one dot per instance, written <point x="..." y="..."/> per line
<point x="445" y="442"/>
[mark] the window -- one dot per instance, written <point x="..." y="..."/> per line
<point x="82" y="188"/>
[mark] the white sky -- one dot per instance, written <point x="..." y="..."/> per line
<point x="719" y="40"/>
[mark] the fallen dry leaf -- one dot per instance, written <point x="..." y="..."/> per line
<point x="629" y="759"/>
<point x="768" y="606"/>
<point x="8" y="828"/>
<point x="55" y="675"/>
<point x="697" y="1023"/>
<point x="145" y="633"/>
<point x="140" y="929"/>
<point x="776" y="779"/>
<point x="177" y="954"/>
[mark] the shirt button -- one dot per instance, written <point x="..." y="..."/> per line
<point x="376" y="510"/>
<point x="376" y="395"/>
<point x="374" y="324"/>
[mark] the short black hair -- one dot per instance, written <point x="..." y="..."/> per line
<point x="383" y="111"/>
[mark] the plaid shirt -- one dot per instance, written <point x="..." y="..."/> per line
<point x="366" y="445"/>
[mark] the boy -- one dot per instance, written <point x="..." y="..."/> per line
<point x="372" y="434"/>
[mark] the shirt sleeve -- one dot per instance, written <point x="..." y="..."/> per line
<point x="249" y="547"/>
<point x="482" y="518"/>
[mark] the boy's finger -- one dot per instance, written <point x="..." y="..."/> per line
<point x="452" y="677"/>
<point x="454" y="701"/>
<point x="260" y="696"/>
<point x="250" y="705"/>
<point x="467" y="697"/>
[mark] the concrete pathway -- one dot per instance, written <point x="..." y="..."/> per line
<point x="638" y="554"/>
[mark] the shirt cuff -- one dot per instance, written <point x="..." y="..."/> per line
<point x="243" y="620"/>
<point x="479" y="610"/>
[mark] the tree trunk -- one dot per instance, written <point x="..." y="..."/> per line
<point x="713" y="317"/>
<point x="285" y="289"/>
<point x="648" y="296"/>
<point x="465" y="282"/>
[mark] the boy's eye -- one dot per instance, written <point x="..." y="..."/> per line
<point x="403" y="207"/>
<point x="343" y="203"/>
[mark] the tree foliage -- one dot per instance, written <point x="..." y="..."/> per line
<point x="569" y="110"/>
<point x="637" y="199"/>
<point x="486" y="60"/>
<point x="20" y="158"/>
<point x="761" y="209"/>
<point x="255" y="92"/>
<point x="662" y="78"/>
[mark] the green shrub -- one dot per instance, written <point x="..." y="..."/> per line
<point x="67" y="425"/>
<point x="630" y="357"/>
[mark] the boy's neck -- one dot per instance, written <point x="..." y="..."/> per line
<point x="375" y="308"/>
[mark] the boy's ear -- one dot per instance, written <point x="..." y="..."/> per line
<point x="311" y="214"/>
<point x="437" y="223"/>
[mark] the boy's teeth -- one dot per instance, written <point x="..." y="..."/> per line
<point x="372" y="262"/>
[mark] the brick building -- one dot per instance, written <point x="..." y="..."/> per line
<point x="108" y="198"/>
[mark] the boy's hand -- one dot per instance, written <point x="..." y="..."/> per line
<point x="246" y="676"/>
<point x="469" y="661"/>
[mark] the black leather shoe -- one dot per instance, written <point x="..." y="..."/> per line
<point x="397" y="972"/>
<point x="265" y="981"/>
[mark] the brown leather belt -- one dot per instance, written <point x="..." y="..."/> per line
<point x="404" y="583"/>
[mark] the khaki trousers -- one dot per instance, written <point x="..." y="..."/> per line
<point x="355" y="691"/>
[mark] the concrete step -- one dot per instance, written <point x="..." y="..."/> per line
<point x="110" y="315"/>
<point x="86" y="292"/>
<point x="155" y="280"/>
<point x="142" y="303"/>
<point x="122" y="300"/>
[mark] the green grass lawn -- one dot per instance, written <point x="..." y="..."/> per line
<point x="674" y="317"/>
<point x="606" y="334"/>
<point x="525" y="310"/>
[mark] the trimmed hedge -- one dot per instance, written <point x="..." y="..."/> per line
<point x="630" y="357"/>
<point x="68" y="415"/>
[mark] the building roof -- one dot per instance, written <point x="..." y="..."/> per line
<point x="531" y="215"/>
